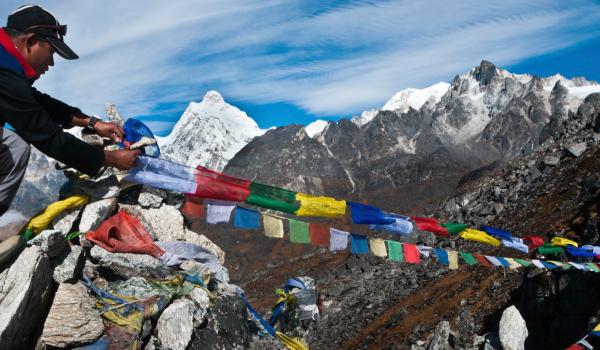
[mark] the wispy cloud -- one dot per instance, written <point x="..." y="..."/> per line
<point x="327" y="59"/>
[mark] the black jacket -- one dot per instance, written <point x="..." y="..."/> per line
<point x="38" y="118"/>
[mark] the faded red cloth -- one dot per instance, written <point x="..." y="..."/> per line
<point x="193" y="207"/>
<point x="411" y="253"/>
<point x="575" y="347"/>
<point x="482" y="260"/>
<point x="430" y="225"/>
<point x="123" y="233"/>
<point x="214" y="185"/>
<point x="319" y="234"/>
<point x="533" y="241"/>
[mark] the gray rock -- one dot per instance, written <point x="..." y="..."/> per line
<point x="153" y="344"/>
<point x="151" y="197"/>
<point x="96" y="212"/>
<point x="104" y="187"/>
<point x="440" y="337"/>
<point x="452" y="206"/>
<point x="69" y="268"/>
<point x="219" y="271"/>
<point x="73" y="319"/>
<point x="513" y="330"/>
<point x="551" y="160"/>
<point x="135" y="287"/>
<point x="127" y="265"/>
<point x="176" y="325"/>
<point x="203" y="241"/>
<point x="202" y="302"/>
<point x="25" y="293"/>
<point x="64" y="221"/>
<point x="491" y="341"/>
<point x="164" y="223"/>
<point x="52" y="242"/>
<point x="576" y="149"/>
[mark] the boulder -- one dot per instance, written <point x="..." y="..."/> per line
<point x="96" y="212"/>
<point x="25" y="292"/>
<point x="151" y="197"/>
<point x="551" y="160"/>
<point x="440" y="337"/>
<point x="203" y="241"/>
<point x="68" y="269"/>
<point x="52" y="242"/>
<point x="164" y="223"/>
<point x="64" y="221"/>
<point x="513" y="330"/>
<point x="576" y="149"/>
<point x="73" y="319"/>
<point x="127" y="265"/>
<point x="176" y="325"/>
<point x="202" y="302"/>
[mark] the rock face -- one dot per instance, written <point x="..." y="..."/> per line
<point x="25" y="292"/>
<point x="71" y="264"/>
<point x="127" y="265"/>
<point x="164" y="223"/>
<point x="440" y="337"/>
<point x="96" y="212"/>
<point x="73" y="319"/>
<point x="513" y="330"/>
<point x="176" y="324"/>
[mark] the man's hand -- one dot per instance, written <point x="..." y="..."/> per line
<point x="121" y="159"/>
<point x="110" y="130"/>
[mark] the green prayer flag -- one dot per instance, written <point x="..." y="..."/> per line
<point x="272" y="198"/>
<point x="549" y="249"/>
<point x="522" y="262"/>
<point x="299" y="231"/>
<point x="454" y="227"/>
<point x="395" y="251"/>
<point x="469" y="258"/>
<point x="593" y="267"/>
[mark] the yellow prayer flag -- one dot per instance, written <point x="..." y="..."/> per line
<point x="320" y="206"/>
<point x="452" y="260"/>
<point x="561" y="242"/>
<point x="479" y="236"/>
<point x="378" y="247"/>
<point x="513" y="264"/>
<point x="273" y="226"/>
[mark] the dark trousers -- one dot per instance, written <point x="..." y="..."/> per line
<point x="14" y="156"/>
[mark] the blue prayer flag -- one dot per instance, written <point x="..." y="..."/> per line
<point x="580" y="252"/>
<point x="246" y="219"/>
<point x="548" y="265"/>
<point x="442" y="256"/>
<point x="497" y="232"/>
<point x="358" y="244"/>
<point x="503" y="261"/>
<point x="367" y="214"/>
<point x="401" y="225"/>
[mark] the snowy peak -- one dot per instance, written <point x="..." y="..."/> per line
<point x="315" y="128"/>
<point x="415" y="98"/>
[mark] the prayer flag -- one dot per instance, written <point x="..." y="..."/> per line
<point x="493" y="260"/>
<point x="482" y="260"/>
<point x="561" y="242"/>
<point x="320" y="206"/>
<point x="214" y="185"/>
<point x="430" y="225"/>
<point x="218" y="212"/>
<point x="358" y="244"/>
<point x="479" y="236"/>
<point x="273" y="226"/>
<point x="548" y="265"/>
<point x="452" y="260"/>
<point x="559" y="264"/>
<point x="499" y="233"/>
<point x="272" y="198"/>
<point x="442" y="256"/>
<point x="319" y="234"/>
<point x="517" y="244"/>
<point x="596" y="330"/>
<point x="503" y="261"/>
<point x="523" y="262"/>
<point x="468" y="258"/>
<point x="299" y="231"/>
<point x="538" y="264"/>
<point x="593" y="248"/>
<point x="513" y="263"/>
<point x="395" y="251"/>
<point x="578" y="266"/>
<point x="246" y="218"/>
<point x="593" y="267"/>
<point x="193" y="207"/>
<point x="533" y="241"/>
<point x="411" y="253"/>
<point x="401" y="225"/>
<point x="454" y="227"/>
<point x="367" y="214"/>
<point x="378" y="247"/>
<point x="338" y="240"/>
<point x="424" y="250"/>
<point x="580" y="252"/>
<point x="549" y="249"/>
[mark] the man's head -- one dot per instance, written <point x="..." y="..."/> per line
<point x="37" y="35"/>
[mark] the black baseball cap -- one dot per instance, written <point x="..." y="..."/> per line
<point x="34" y="19"/>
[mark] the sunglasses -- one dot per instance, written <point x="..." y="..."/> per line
<point x="61" y="30"/>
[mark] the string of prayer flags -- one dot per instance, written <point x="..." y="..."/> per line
<point x="430" y="225"/>
<point x="455" y="227"/>
<point x="401" y="225"/>
<point x="164" y="182"/>
<point x="320" y="206"/>
<point x="442" y="256"/>
<point x="378" y="247"/>
<point x="452" y="260"/>
<point x="273" y="226"/>
<point x="338" y="240"/>
<point x="559" y="264"/>
<point x="479" y="236"/>
<point x="533" y="241"/>
<point x="592" y="267"/>
<point x="395" y="251"/>
<point x="548" y="249"/>
<point x="424" y="250"/>
<point x="482" y="260"/>
<point x="368" y="214"/>
<point x="503" y="261"/>
<point x="516" y="243"/>
<point x="496" y="232"/>
<point x="246" y="219"/>
<point x="468" y="258"/>
<point x="523" y="262"/>
<point x="548" y="265"/>
<point x="358" y="244"/>
<point x="213" y="185"/>
<point x="580" y="252"/>
<point x="513" y="264"/>
<point x="319" y="234"/>
<point x="411" y="253"/>
<point x="493" y="260"/>
<point x="299" y="232"/>
<point x="561" y="242"/>
<point x="271" y="197"/>
<point x="218" y="212"/>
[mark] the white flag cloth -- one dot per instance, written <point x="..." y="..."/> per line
<point x="538" y="263"/>
<point x="338" y="240"/>
<point x="516" y="243"/>
<point x="219" y="212"/>
<point x="594" y="248"/>
<point x="424" y="250"/>
<point x="578" y="266"/>
<point x="493" y="260"/>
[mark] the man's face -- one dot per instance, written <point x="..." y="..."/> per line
<point x="39" y="54"/>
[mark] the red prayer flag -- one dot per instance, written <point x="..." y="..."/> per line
<point x="533" y="241"/>
<point x="193" y="207"/>
<point x="430" y="225"/>
<point x="411" y="253"/>
<point x="214" y="185"/>
<point x="482" y="260"/>
<point x="319" y="234"/>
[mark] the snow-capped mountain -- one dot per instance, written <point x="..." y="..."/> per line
<point x="485" y="115"/>
<point x="209" y="133"/>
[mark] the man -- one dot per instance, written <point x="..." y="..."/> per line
<point x="27" y="45"/>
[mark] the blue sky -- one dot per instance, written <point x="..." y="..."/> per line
<point x="296" y="61"/>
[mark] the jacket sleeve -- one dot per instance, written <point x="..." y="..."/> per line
<point x="20" y="108"/>
<point x="59" y="111"/>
